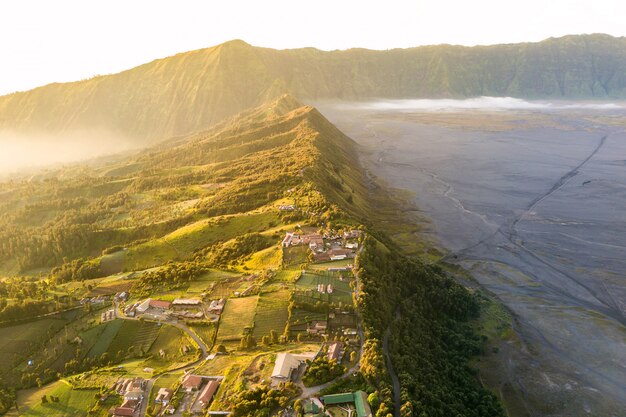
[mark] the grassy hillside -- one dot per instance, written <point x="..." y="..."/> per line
<point x="190" y="91"/>
<point x="202" y="214"/>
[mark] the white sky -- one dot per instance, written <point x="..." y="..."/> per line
<point x="64" y="40"/>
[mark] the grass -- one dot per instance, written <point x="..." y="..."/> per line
<point x="296" y="256"/>
<point x="204" y="282"/>
<point x="270" y="258"/>
<point x="181" y="243"/>
<point x="237" y="316"/>
<point x="271" y="313"/>
<point x="72" y="403"/>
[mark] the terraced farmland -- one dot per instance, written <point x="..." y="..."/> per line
<point x="137" y="335"/>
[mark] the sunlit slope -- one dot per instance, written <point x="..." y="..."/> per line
<point x="190" y="91"/>
<point x="180" y="196"/>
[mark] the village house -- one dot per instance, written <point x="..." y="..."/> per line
<point x="133" y="394"/>
<point x="287" y="363"/>
<point x="123" y="412"/>
<point x="358" y="399"/>
<point x="317" y="327"/>
<point x="164" y="396"/>
<point x="352" y="234"/>
<point x="217" y="306"/>
<point x="334" y="351"/>
<point x="156" y="305"/>
<point x="192" y="382"/>
<point x="207" y="393"/>
<point x="186" y="303"/>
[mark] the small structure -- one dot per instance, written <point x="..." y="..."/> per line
<point x="164" y="396"/>
<point x="287" y="363"/>
<point x="217" y="306"/>
<point x="133" y="394"/>
<point x="358" y="398"/>
<point x="205" y="397"/>
<point x="352" y="234"/>
<point x="317" y="327"/>
<point x="123" y="412"/>
<point x="150" y="304"/>
<point x="192" y="382"/>
<point x="334" y="351"/>
<point x="186" y="302"/>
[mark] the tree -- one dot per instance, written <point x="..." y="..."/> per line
<point x="221" y="349"/>
<point x="265" y="340"/>
<point x="44" y="399"/>
<point x="352" y="356"/>
<point x="374" y="400"/>
<point x="273" y="336"/>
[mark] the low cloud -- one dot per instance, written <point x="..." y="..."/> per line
<point x="19" y="151"/>
<point x="481" y="103"/>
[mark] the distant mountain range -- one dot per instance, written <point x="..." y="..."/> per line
<point x="194" y="90"/>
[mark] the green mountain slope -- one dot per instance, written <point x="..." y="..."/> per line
<point x="193" y="90"/>
<point x="158" y="224"/>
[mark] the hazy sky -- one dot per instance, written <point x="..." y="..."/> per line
<point x="63" y="40"/>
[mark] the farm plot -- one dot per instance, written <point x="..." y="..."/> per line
<point x="271" y="313"/>
<point x="206" y="332"/>
<point x="238" y="316"/>
<point x="71" y="402"/>
<point x="18" y="341"/>
<point x="341" y="290"/>
<point x="136" y="335"/>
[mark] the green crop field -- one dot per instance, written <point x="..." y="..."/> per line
<point x="170" y="339"/>
<point x="104" y="335"/>
<point x="134" y="334"/>
<point x="206" y="332"/>
<point x="271" y="313"/>
<point x="341" y="288"/>
<point x="18" y="341"/>
<point x="238" y="315"/>
<point x="299" y="316"/>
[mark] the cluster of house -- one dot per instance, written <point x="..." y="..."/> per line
<point x="355" y="402"/>
<point x="204" y="385"/>
<point x="325" y="247"/>
<point x="184" y="308"/>
<point x="132" y="390"/>
<point x="107" y="315"/>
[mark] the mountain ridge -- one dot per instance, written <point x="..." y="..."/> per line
<point x="190" y="91"/>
